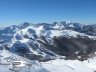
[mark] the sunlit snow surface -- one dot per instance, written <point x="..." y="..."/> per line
<point x="7" y="59"/>
<point x="58" y="65"/>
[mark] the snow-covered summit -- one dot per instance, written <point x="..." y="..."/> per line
<point x="64" y="45"/>
<point x="44" y="39"/>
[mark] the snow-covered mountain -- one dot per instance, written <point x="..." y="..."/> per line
<point x="57" y="42"/>
<point x="48" y="41"/>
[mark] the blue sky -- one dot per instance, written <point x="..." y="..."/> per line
<point x="35" y="11"/>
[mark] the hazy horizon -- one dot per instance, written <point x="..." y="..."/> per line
<point x="15" y="12"/>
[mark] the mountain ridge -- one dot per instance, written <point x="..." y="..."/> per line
<point x="41" y="41"/>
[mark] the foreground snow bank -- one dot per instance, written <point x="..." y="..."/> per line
<point x="60" y="65"/>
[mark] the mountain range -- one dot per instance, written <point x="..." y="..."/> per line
<point x="44" y="41"/>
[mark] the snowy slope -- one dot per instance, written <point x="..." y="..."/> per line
<point x="60" y="65"/>
<point x="7" y="58"/>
